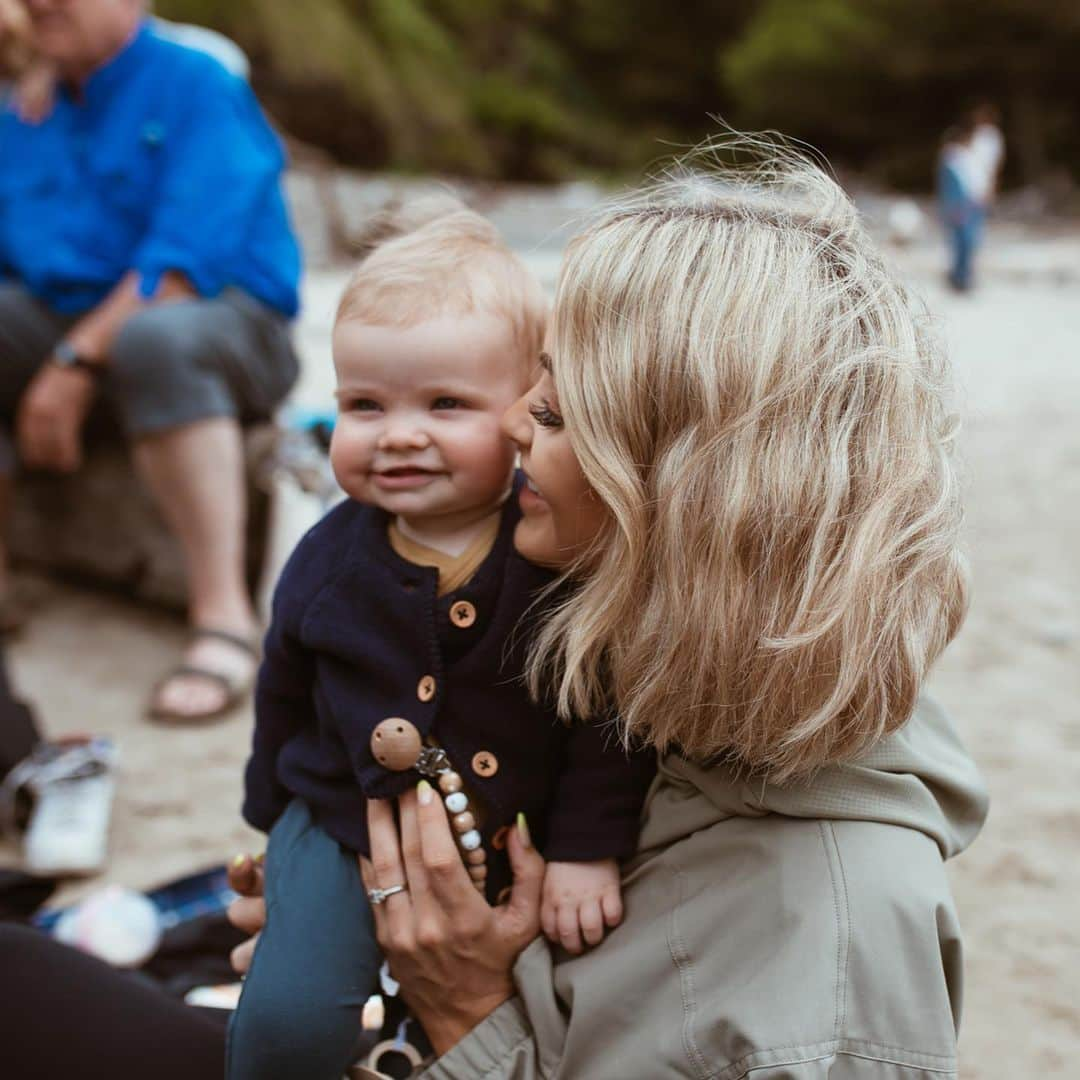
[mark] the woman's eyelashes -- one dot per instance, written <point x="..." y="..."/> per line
<point x="544" y="414"/>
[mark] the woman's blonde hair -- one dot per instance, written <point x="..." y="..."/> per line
<point x="760" y="406"/>
<point x="433" y="256"/>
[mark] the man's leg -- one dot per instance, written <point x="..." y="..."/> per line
<point x="180" y="373"/>
<point x="195" y="474"/>
<point x="28" y="332"/>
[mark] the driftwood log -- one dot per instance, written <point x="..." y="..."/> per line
<point x="101" y="527"/>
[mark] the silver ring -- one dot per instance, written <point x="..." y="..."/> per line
<point x="379" y="896"/>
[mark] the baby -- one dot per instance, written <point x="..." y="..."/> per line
<point x="399" y="636"/>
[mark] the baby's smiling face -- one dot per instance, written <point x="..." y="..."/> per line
<point x="419" y="409"/>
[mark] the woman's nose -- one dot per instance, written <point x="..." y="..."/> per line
<point x="517" y="424"/>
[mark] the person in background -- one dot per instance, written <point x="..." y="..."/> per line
<point x="36" y="78"/>
<point x="986" y="153"/>
<point x="962" y="213"/>
<point x="147" y="260"/>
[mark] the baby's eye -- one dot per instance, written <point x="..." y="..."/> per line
<point x="448" y="403"/>
<point x="362" y="404"/>
<point x="545" y="415"/>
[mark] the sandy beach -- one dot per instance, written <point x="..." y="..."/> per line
<point x="1012" y="679"/>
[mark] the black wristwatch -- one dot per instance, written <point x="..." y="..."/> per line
<point x="65" y="355"/>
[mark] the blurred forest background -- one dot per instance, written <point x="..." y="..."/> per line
<point x="548" y="89"/>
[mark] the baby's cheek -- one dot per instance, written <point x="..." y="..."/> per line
<point x="348" y="460"/>
<point x="349" y="448"/>
<point x="340" y="447"/>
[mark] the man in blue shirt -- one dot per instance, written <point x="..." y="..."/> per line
<point x="146" y="257"/>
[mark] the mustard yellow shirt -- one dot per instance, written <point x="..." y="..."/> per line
<point x="454" y="570"/>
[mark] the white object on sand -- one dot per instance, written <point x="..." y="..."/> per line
<point x="119" y="925"/>
<point x="72" y="787"/>
<point x="904" y="220"/>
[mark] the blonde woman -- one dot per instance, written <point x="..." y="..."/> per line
<point x="738" y="451"/>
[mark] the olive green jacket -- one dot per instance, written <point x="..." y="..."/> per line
<point x="772" y="933"/>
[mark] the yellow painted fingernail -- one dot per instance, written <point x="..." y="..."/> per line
<point x="260" y="858"/>
<point x="523" y="830"/>
<point x="424" y="792"/>
<point x="238" y="861"/>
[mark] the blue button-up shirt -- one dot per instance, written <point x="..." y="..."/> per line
<point x="163" y="162"/>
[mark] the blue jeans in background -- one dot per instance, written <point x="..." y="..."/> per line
<point x="965" y="233"/>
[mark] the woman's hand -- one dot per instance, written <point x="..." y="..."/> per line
<point x="248" y="913"/>
<point x="451" y="952"/>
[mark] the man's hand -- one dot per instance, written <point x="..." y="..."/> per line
<point x="54" y="407"/>
<point x="50" y="418"/>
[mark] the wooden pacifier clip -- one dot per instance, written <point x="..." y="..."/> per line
<point x="435" y="765"/>
<point x="396" y="745"/>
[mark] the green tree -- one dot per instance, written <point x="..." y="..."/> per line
<point x="546" y="88"/>
<point x="874" y="82"/>
<point x="379" y="81"/>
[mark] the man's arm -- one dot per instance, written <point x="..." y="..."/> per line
<point x="92" y="336"/>
<point x="54" y="406"/>
<point x="219" y="167"/>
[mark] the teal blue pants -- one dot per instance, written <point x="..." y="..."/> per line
<point x="315" y="964"/>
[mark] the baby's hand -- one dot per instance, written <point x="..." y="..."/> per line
<point x="580" y="899"/>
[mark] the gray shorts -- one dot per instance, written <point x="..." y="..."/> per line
<point x="171" y="364"/>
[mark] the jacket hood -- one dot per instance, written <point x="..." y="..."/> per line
<point x="920" y="777"/>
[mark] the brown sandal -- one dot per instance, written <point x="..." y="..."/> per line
<point x="236" y="689"/>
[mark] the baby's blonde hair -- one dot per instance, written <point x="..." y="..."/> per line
<point x="433" y="256"/>
<point x="760" y="406"/>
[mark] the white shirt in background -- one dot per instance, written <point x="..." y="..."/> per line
<point x="982" y="159"/>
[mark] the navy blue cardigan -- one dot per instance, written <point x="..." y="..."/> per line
<point x="355" y="628"/>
